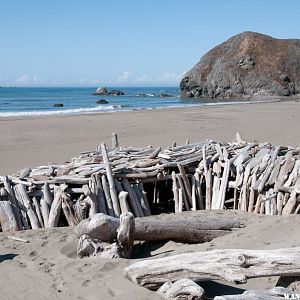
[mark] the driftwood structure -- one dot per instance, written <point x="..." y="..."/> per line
<point x="233" y="265"/>
<point x="254" y="177"/>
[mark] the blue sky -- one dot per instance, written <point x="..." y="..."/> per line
<point x="125" y="43"/>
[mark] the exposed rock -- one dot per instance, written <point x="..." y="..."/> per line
<point x="102" y="101"/>
<point x="115" y="93"/>
<point x="101" y="91"/>
<point x="248" y="65"/>
<point x="58" y="105"/>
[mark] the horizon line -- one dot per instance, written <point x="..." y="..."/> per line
<point x="80" y="86"/>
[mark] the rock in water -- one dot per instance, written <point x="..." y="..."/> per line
<point x="247" y="66"/>
<point x="101" y="91"/>
<point x="102" y="101"/>
<point x="116" y="93"/>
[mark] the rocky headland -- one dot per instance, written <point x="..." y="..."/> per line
<point x="247" y="66"/>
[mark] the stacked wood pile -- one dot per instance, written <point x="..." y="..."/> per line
<point x="254" y="177"/>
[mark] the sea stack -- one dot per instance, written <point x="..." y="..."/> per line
<point x="249" y="65"/>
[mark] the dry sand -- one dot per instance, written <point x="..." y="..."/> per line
<point x="31" y="142"/>
<point x="46" y="268"/>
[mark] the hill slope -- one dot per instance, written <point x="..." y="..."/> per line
<point x="248" y="65"/>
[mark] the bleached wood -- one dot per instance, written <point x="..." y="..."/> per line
<point x="215" y="192"/>
<point x="275" y="171"/>
<point x="198" y="182"/>
<point x="183" y="192"/>
<point x="7" y="217"/>
<point x="125" y="236"/>
<point x="99" y="194"/>
<point x="155" y="153"/>
<point x="14" y="202"/>
<point x="135" y="206"/>
<point x="290" y="206"/>
<point x="144" y="195"/>
<point x="45" y="204"/>
<point x="293" y="175"/>
<point x="285" y="169"/>
<point x="109" y="204"/>
<point x="114" y="141"/>
<point x="68" y="210"/>
<point x="21" y="194"/>
<point x="181" y="290"/>
<point x="38" y="212"/>
<point x="186" y="183"/>
<point x="194" y="201"/>
<point x="252" y="193"/>
<point x="233" y="265"/>
<point x="208" y="180"/>
<point x="190" y="227"/>
<point x="55" y="208"/>
<point x="111" y="181"/>
<point x="224" y="183"/>
<point x="142" y="199"/>
<point x="175" y="192"/>
<point x="279" y="203"/>
<point x="180" y="200"/>
<point x="123" y="202"/>
<point x="18" y="239"/>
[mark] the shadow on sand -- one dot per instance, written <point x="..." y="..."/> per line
<point x="9" y="256"/>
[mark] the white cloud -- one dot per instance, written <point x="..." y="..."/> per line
<point x="167" y="77"/>
<point x="144" y="78"/>
<point x="89" y="80"/>
<point x="28" y="79"/>
<point x="24" y="79"/>
<point x="171" y="77"/>
<point x="124" y="77"/>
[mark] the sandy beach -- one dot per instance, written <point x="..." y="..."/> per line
<point x="28" y="142"/>
<point x="47" y="266"/>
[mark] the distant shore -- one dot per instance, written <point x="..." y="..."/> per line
<point x="31" y="141"/>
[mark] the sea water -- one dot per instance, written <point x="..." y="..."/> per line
<point x="17" y="101"/>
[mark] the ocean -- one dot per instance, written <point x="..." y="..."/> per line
<point x="17" y="101"/>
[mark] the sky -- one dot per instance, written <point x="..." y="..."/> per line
<point x="125" y="42"/>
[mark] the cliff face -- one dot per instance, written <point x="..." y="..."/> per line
<point x="248" y="65"/>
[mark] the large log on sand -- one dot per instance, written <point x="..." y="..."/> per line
<point x="192" y="227"/>
<point x="233" y="265"/>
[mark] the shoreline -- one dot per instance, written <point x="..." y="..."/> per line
<point x="115" y="109"/>
<point x="32" y="141"/>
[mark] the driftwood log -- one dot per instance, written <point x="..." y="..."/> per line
<point x="233" y="265"/>
<point x="192" y="227"/>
